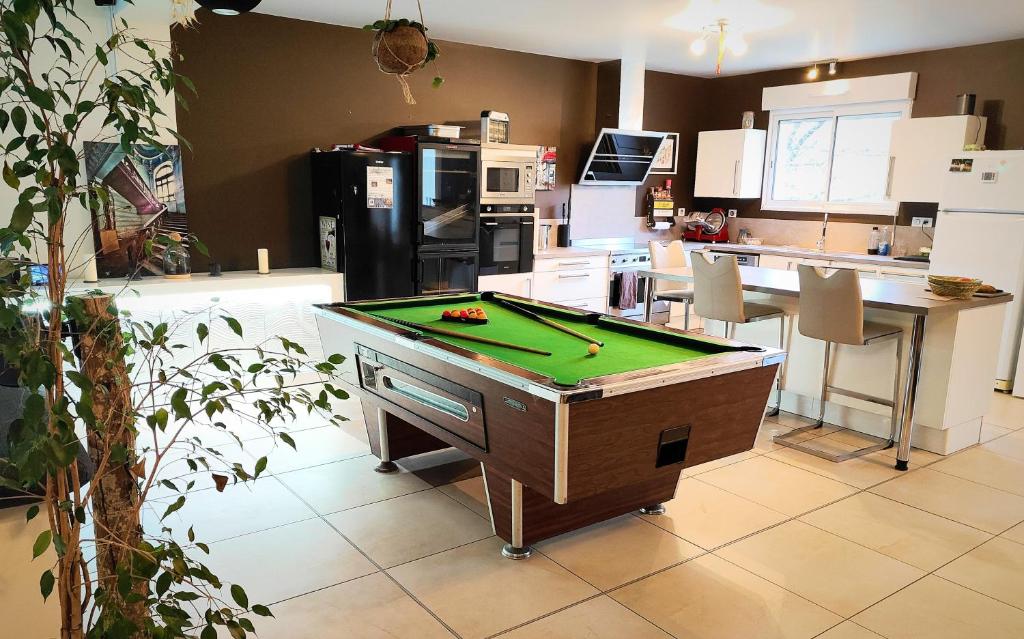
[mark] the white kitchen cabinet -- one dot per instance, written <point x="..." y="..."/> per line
<point x="520" y="284"/>
<point x="581" y="282"/>
<point x="920" y="150"/>
<point x="780" y="262"/>
<point x="730" y="163"/>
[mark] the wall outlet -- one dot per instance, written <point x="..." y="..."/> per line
<point x="921" y="221"/>
<point x="682" y="211"/>
<point x="733" y="212"/>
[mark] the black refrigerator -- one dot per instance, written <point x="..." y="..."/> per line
<point x="364" y="208"/>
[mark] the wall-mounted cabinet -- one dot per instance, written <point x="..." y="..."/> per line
<point x="920" y="150"/>
<point x="730" y="163"/>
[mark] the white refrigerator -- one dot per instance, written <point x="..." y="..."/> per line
<point x="979" y="232"/>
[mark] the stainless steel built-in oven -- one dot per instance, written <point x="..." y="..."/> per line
<point x="506" y="244"/>
<point x="507" y="174"/>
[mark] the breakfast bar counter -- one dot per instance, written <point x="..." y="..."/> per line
<point x="949" y="370"/>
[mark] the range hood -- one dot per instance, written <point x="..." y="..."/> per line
<point x="621" y="157"/>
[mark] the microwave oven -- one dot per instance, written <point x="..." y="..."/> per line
<point x="507" y="174"/>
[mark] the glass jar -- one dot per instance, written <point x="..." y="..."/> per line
<point x="177" y="262"/>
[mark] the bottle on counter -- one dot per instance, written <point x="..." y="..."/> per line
<point x="873" y="241"/>
<point x="884" y="248"/>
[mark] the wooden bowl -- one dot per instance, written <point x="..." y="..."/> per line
<point x="961" y="288"/>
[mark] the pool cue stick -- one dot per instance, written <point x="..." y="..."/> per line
<point x="472" y="338"/>
<point x="551" y="323"/>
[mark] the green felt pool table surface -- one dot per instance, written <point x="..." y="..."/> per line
<point x="627" y="347"/>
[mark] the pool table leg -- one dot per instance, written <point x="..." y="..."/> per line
<point x="653" y="509"/>
<point x="516" y="549"/>
<point x="385" y="465"/>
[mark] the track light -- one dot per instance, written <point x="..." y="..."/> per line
<point x="812" y="73"/>
<point x="832" y="67"/>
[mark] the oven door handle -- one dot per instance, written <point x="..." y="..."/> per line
<point x="563" y="276"/>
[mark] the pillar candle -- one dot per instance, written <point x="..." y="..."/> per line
<point x="264" y="261"/>
<point x="89" y="274"/>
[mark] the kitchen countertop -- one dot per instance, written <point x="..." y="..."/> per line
<point x="881" y="294"/>
<point x="568" y="251"/>
<point x="797" y="251"/>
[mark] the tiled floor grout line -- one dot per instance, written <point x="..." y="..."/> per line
<point x="380" y="568"/>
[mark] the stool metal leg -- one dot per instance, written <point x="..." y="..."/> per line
<point x="778" y="378"/>
<point x="686" y="315"/>
<point x="824" y="386"/>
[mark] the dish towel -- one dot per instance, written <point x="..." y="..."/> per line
<point x="627" y="290"/>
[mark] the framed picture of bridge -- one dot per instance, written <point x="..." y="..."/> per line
<point x="145" y="201"/>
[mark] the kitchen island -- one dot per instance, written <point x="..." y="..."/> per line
<point x="948" y="369"/>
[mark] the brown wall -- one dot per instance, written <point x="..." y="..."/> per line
<point x="992" y="71"/>
<point x="270" y="89"/>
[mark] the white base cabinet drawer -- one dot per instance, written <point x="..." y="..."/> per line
<point x="597" y="304"/>
<point x="555" y="286"/>
<point x="569" y="263"/>
<point x="520" y="284"/>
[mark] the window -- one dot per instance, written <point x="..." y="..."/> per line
<point x="834" y="160"/>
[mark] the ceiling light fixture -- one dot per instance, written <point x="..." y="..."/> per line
<point x="229" y="7"/>
<point x="729" y="40"/>
<point x="812" y="73"/>
<point x="832" y="66"/>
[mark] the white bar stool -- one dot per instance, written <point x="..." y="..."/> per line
<point x="832" y="310"/>
<point x="718" y="295"/>
<point x="671" y="255"/>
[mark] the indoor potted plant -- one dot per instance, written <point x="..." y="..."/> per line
<point x="401" y="47"/>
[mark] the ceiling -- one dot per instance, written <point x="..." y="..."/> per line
<point x="779" y="33"/>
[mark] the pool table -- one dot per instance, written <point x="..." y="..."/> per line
<point x="565" y="439"/>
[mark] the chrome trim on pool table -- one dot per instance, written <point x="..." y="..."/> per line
<point x="615" y="384"/>
<point x="561" y="491"/>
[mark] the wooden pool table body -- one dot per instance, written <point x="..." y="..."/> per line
<point x="554" y="458"/>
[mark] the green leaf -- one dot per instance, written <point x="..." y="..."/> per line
<point x="438" y="81"/>
<point x="336" y="359"/>
<point x="42" y="543"/>
<point x="234" y="324"/>
<point x="9" y="177"/>
<point x="101" y="55"/>
<point x="202" y="331"/>
<point x="238" y="594"/>
<point x="261" y="465"/>
<point x="163" y="583"/>
<point x="262" y="610"/>
<point x="19" y="119"/>
<point x="32" y="512"/>
<point x="46" y="581"/>
<point x="178" y="503"/>
<point x="4" y="119"/>
<point x="179" y="405"/>
<point x="209" y="632"/>
<point x="22" y="216"/>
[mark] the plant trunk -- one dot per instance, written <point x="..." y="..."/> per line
<point x="116" y="498"/>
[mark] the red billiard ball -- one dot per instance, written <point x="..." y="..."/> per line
<point x="464" y="314"/>
<point x="446" y="314"/>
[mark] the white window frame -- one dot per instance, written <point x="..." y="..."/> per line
<point x="903" y="107"/>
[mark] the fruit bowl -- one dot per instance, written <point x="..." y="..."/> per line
<point x="954" y="286"/>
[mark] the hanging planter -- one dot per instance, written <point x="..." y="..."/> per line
<point x="401" y="47"/>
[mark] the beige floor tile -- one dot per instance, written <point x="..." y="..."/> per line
<point x="613" y="552"/>
<point x="1006" y="411"/>
<point x="442" y="467"/>
<point x="764" y="442"/>
<point x="350" y="483"/>
<point x="240" y="509"/>
<point x="991" y="431"/>
<point x="918" y="457"/>
<point x="271" y="566"/>
<point x="781" y="487"/>
<point x="791" y="420"/>
<point x="896" y="530"/>
<point x="371" y="607"/>
<point x="985" y="467"/>
<point x="1009" y="446"/>
<point x="313" y="447"/>
<point x="861" y="472"/>
<point x="709" y="516"/>
<point x="478" y="592"/>
<point x="598" y="618"/>
<point x="398" y="530"/>
<point x="719" y="463"/>
<point x="470" y="493"/>
<point x="995" y="569"/>
<point x="1015" y="534"/>
<point x="711" y="598"/>
<point x="828" y="570"/>
<point x="934" y="608"/>
<point x="964" y="501"/>
<point x="849" y="630"/>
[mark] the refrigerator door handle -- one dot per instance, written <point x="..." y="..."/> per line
<point x="418" y="272"/>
